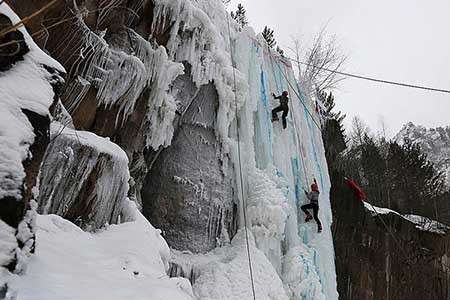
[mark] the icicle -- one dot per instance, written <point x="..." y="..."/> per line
<point x="73" y="159"/>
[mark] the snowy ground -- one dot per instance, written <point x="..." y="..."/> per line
<point x="223" y="274"/>
<point x="126" y="261"/>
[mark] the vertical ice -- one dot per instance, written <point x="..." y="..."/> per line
<point x="276" y="164"/>
<point x="279" y="164"/>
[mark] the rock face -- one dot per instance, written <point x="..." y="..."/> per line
<point x="435" y="142"/>
<point x="126" y="82"/>
<point x="84" y="178"/>
<point x="375" y="262"/>
<point x="188" y="181"/>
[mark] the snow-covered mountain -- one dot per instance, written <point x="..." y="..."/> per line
<point x="435" y="142"/>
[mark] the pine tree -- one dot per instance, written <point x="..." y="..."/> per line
<point x="240" y="15"/>
<point x="268" y="36"/>
<point x="328" y="101"/>
<point x="281" y="51"/>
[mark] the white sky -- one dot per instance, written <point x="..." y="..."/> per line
<point x="398" y="40"/>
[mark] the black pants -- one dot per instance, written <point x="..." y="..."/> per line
<point x="284" y="109"/>
<point x="315" y="209"/>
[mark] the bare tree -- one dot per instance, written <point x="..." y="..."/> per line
<point x="359" y="131"/>
<point x="317" y="65"/>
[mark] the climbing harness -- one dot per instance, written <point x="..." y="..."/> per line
<point x="244" y="206"/>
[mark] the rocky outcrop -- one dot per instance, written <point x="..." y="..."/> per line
<point x="385" y="256"/>
<point x="24" y="136"/>
<point x="189" y="181"/>
<point x="84" y="178"/>
<point x="124" y="82"/>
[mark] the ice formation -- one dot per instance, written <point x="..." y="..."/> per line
<point x="276" y="164"/>
<point x="290" y="260"/>
<point x="73" y="160"/>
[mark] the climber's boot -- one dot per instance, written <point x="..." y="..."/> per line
<point x="308" y="218"/>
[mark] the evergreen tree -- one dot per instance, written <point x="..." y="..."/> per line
<point x="240" y="15"/>
<point x="281" y="51"/>
<point x="328" y="101"/>
<point x="414" y="180"/>
<point x="267" y="33"/>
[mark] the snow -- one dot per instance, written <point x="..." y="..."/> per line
<point x="8" y="244"/>
<point x="223" y="273"/>
<point x="126" y="261"/>
<point x="374" y="210"/>
<point x="16" y="132"/>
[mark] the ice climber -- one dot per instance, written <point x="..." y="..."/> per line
<point x="284" y="107"/>
<point x="313" y="197"/>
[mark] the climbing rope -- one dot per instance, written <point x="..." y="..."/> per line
<point x="298" y="96"/>
<point x="244" y="206"/>
<point x="318" y="126"/>
<point x="299" y="148"/>
<point x="408" y="85"/>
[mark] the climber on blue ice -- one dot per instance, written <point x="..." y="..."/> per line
<point x="313" y="197"/>
<point x="284" y="107"/>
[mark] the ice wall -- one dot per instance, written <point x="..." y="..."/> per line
<point x="276" y="164"/>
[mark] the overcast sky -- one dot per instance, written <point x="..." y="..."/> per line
<point x="399" y="40"/>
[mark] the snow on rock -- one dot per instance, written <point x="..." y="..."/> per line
<point x="374" y="210"/>
<point x="84" y="178"/>
<point x="16" y="131"/>
<point x="223" y="274"/>
<point x="29" y="79"/>
<point x="126" y="261"/>
<point x="422" y="223"/>
<point x="425" y="224"/>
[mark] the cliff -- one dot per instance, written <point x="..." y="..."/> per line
<point x="167" y="103"/>
<point x="381" y="254"/>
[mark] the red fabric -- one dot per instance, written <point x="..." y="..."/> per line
<point x="357" y="189"/>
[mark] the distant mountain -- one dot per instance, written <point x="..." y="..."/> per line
<point x="435" y="142"/>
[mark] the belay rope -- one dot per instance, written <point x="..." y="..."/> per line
<point x="244" y="206"/>
<point x="297" y="139"/>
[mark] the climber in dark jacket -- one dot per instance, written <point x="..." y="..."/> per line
<point x="313" y="197"/>
<point x="284" y="107"/>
